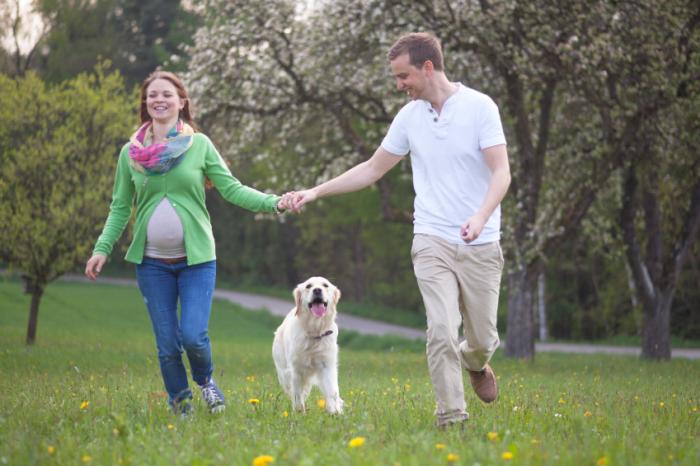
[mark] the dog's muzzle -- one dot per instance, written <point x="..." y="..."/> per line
<point x="318" y="306"/>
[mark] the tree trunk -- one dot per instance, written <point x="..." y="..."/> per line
<point x="36" y="292"/>
<point x="542" y="307"/>
<point x="520" y="342"/>
<point x="656" y="327"/>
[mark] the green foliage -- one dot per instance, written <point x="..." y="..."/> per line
<point x="136" y="36"/>
<point x="589" y="306"/>
<point x="95" y="396"/>
<point x="58" y="147"/>
<point x="80" y="35"/>
<point x="686" y="318"/>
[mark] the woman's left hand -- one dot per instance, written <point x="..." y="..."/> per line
<point x="285" y="202"/>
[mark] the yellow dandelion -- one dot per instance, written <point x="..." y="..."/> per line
<point x="86" y="458"/>
<point x="588" y="414"/>
<point x="661" y="404"/>
<point x="407" y="387"/>
<point x="695" y="409"/>
<point x="562" y="401"/>
<point x="171" y="427"/>
<point x="507" y="455"/>
<point x="250" y="378"/>
<point x="602" y="461"/>
<point x="451" y="458"/>
<point x="254" y="401"/>
<point x="493" y="436"/>
<point x="263" y="460"/>
<point x="440" y="446"/>
<point x="534" y="441"/>
<point x="84" y="404"/>
<point x="285" y="414"/>
<point x="115" y="432"/>
<point x="321" y="403"/>
<point x="356" y="442"/>
<point x="51" y="449"/>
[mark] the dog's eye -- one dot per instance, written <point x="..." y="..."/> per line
<point x="308" y="286"/>
<point x="325" y="285"/>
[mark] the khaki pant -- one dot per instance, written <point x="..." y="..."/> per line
<point x="459" y="284"/>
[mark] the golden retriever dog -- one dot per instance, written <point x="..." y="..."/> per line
<point x="305" y="348"/>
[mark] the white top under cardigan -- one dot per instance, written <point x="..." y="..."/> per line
<point x="165" y="237"/>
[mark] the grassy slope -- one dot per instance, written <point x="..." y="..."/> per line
<point x="95" y="345"/>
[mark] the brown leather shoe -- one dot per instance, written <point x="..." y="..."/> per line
<point x="484" y="384"/>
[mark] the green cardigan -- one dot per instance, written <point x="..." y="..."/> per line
<point x="184" y="188"/>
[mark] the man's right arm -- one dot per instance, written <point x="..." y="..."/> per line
<point x="358" y="177"/>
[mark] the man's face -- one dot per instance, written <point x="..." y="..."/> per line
<point x="409" y="79"/>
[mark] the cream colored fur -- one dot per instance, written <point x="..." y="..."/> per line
<point x="304" y="355"/>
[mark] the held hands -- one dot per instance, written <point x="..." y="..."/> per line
<point x="294" y="201"/>
<point x="301" y="198"/>
<point x="285" y="202"/>
<point x="471" y="229"/>
<point x="94" y="266"/>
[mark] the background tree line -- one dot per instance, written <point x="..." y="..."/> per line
<point x="600" y="104"/>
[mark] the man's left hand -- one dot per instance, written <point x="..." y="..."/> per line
<point x="471" y="229"/>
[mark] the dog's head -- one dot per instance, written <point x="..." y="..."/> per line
<point x="316" y="295"/>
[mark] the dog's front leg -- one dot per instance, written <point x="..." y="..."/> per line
<point x="328" y="383"/>
<point x="298" y="396"/>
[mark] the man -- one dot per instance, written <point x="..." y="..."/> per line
<point x="460" y="175"/>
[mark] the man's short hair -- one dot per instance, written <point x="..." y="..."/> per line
<point x="420" y="47"/>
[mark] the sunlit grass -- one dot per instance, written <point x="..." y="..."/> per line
<point x="89" y="392"/>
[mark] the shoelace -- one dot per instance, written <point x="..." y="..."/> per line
<point x="211" y="394"/>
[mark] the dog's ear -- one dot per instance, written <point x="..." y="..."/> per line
<point x="336" y="296"/>
<point x="297" y="300"/>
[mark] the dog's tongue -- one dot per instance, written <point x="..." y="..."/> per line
<point x="318" y="309"/>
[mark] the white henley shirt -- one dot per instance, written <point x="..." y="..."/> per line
<point x="450" y="174"/>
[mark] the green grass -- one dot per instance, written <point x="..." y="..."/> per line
<point x="95" y="349"/>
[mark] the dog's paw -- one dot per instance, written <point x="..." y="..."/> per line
<point x="301" y="408"/>
<point x="335" y="407"/>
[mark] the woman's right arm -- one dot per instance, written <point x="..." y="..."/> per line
<point x="118" y="218"/>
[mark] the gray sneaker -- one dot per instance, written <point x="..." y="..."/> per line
<point x="213" y="397"/>
<point x="183" y="408"/>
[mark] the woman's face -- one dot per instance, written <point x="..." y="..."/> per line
<point x="162" y="101"/>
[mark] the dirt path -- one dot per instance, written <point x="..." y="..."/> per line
<point x="281" y="307"/>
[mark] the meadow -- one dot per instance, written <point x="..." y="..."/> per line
<point x="89" y="392"/>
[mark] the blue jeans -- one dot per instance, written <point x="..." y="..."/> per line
<point x="161" y="285"/>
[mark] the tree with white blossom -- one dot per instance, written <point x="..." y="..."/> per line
<point x="307" y="90"/>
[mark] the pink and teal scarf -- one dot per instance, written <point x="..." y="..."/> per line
<point x="162" y="156"/>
